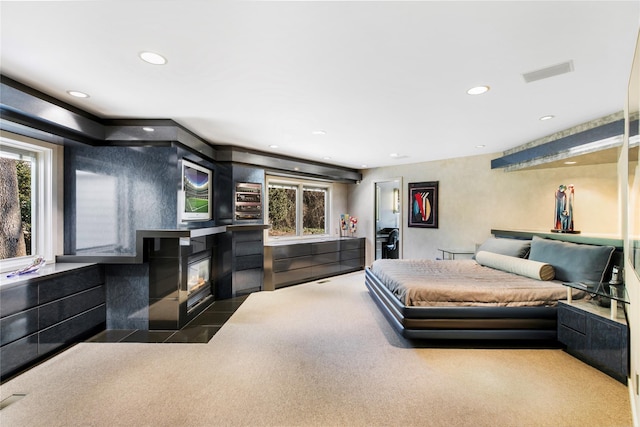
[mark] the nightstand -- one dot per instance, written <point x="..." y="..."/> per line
<point x="451" y="253"/>
<point x="589" y="333"/>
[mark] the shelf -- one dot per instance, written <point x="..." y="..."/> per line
<point x="618" y="293"/>
<point x="590" y="239"/>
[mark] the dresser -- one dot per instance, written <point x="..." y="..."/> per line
<point x="289" y="263"/>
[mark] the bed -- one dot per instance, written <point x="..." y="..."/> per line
<point x="509" y="291"/>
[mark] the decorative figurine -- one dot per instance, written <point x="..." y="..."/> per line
<point x="344" y="223"/>
<point x="353" y="225"/>
<point x="563" y="221"/>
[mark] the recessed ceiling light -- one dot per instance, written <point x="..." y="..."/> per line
<point x="153" y="58"/>
<point x="570" y="163"/>
<point x="480" y="146"/>
<point x="319" y="132"/>
<point x="148" y="129"/>
<point x="549" y="117"/>
<point x="394" y="155"/>
<point x="273" y="146"/>
<point x="77" y="94"/>
<point x="478" y="90"/>
<point x="327" y="158"/>
<point x="364" y="166"/>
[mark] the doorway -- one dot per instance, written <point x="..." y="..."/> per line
<point x="387" y="225"/>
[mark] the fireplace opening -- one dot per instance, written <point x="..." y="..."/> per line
<point x="198" y="280"/>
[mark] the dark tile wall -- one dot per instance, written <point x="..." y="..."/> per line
<point x="127" y="296"/>
<point x="141" y="185"/>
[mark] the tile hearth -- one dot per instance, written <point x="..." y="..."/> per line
<point x="199" y="330"/>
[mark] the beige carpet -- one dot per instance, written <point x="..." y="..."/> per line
<point x="318" y="354"/>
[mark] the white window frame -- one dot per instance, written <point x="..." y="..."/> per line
<point x="300" y="184"/>
<point x="46" y="214"/>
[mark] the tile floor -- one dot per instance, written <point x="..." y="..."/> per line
<point x="199" y="330"/>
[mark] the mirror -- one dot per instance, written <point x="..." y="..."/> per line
<point x="633" y="103"/>
<point x="387" y="225"/>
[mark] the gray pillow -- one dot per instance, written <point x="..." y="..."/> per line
<point x="505" y="246"/>
<point x="573" y="262"/>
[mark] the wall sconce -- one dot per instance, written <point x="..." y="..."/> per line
<point x="396" y="200"/>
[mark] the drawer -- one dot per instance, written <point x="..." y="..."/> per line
<point x="16" y="299"/>
<point x="292" y="263"/>
<point x="247" y="279"/>
<point x="351" y="254"/>
<point x="289" y="251"/>
<point x="326" y="258"/>
<point x="250" y="261"/>
<point x="325" y="247"/>
<point x="18" y="326"/>
<point x="68" y="284"/>
<point x="18" y="354"/>
<point x="65" y="308"/>
<point x="576" y="320"/>
<point x="247" y="236"/>
<point x="575" y="341"/>
<point x="326" y="269"/>
<point x="67" y="332"/>
<point x="350" y="244"/>
<point x="249" y="248"/>
<point x="293" y="276"/>
<point x="351" y="264"/>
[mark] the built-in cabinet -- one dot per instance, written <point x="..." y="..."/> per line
<point x="42" y="314"/>
<point x="289" y="263"/>
<point x="247" y="250"/>
<point x="590" y="335"/>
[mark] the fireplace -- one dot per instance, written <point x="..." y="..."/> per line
<point x="198" y="280"/>
<point x="181" y="280"/>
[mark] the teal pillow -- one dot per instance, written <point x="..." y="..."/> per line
<point x="573" y="262"/>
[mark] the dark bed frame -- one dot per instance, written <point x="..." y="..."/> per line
<point x="466" y="323"/>
<point x="474" y="323"/>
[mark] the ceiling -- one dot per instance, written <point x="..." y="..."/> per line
<point x="377" y="77"/>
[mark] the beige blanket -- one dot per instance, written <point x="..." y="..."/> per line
<point x="464" y="283"/>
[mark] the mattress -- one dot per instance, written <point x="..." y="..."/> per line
<point x="465" y="283"/>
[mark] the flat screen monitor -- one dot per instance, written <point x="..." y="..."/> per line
<point x="195" y="197"/>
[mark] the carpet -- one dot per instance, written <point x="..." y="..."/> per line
<point x="316" y="354"/>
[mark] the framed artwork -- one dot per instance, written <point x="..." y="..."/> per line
<point x="423" y="204"/>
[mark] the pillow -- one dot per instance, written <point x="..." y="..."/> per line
<point x="523" y="267"/>
<point x="573" y="262"/>
<point x="512" y="247"/>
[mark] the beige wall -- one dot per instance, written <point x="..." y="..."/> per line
<point x="339" y="200"/>
<point x="474" y="199"/>
<point x="632" y="282"/>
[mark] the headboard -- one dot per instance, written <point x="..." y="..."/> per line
<point x="618" y="255"/>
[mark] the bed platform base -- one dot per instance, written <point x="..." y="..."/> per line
<point x="463" y="323"/>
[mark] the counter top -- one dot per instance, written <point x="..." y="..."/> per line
<point x="46" y="272"/>
<point x="137" y="257"/>
<point x="308" y="240"/>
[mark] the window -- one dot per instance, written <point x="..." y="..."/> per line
<point x="28" y="202"/>
<point x="297" y="208"/>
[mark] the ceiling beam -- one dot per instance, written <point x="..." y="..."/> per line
<point x="23" y="109"/>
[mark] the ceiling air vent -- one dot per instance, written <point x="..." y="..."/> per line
<point x="545" y="73"/>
